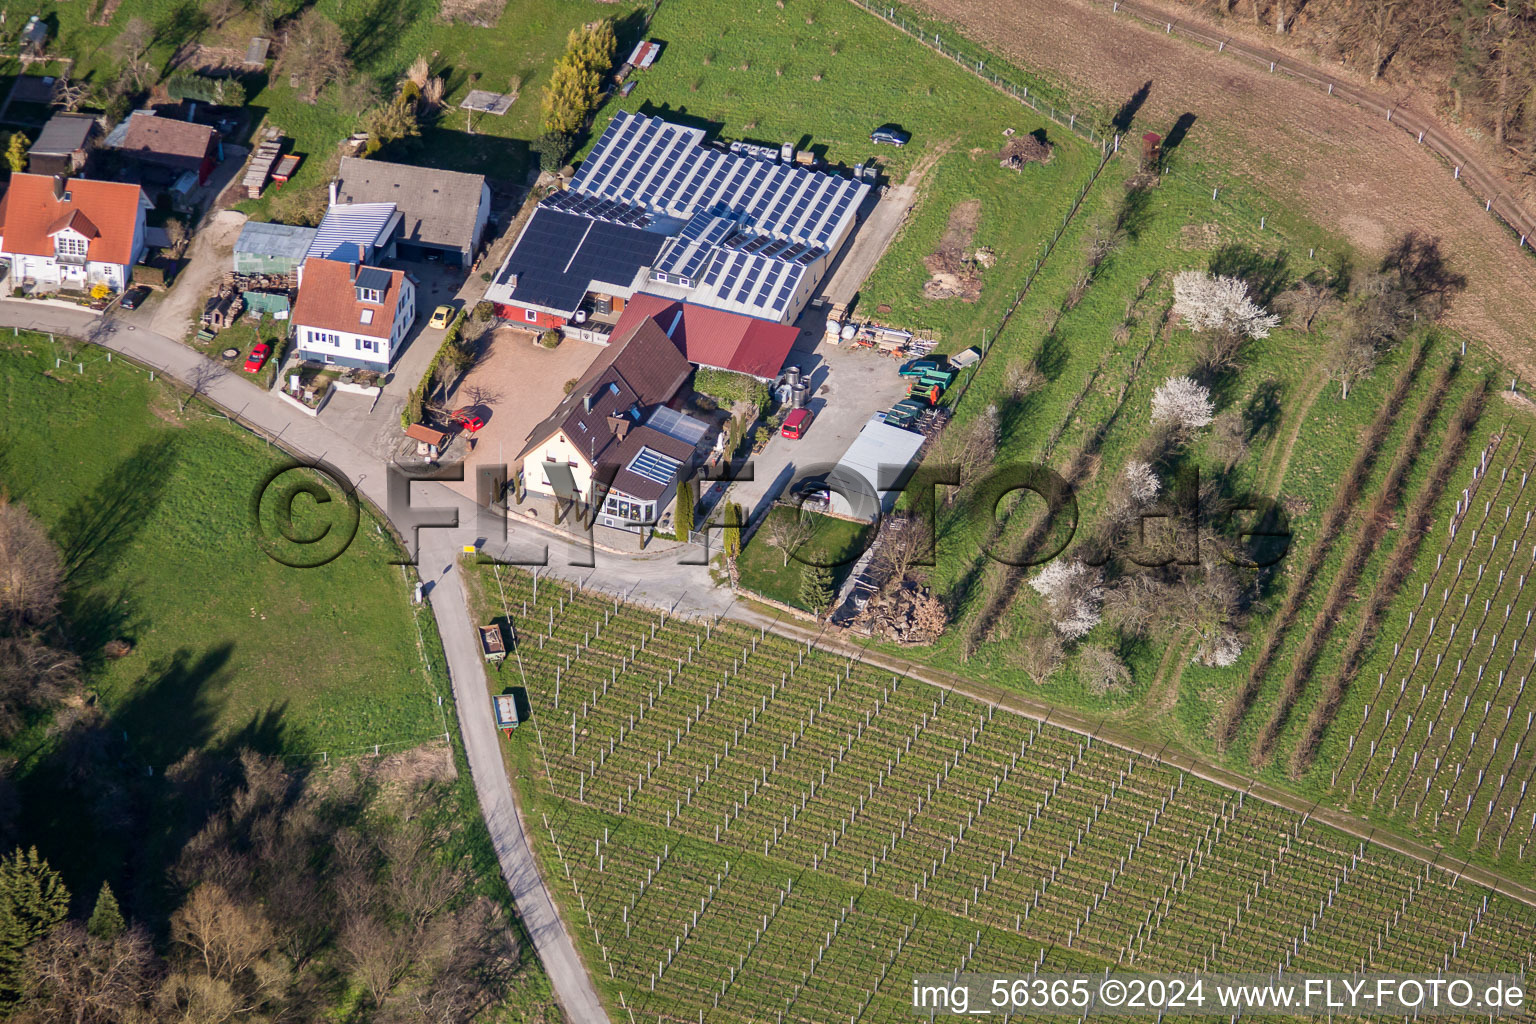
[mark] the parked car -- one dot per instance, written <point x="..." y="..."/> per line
<point x="468" y="419"/>
<point x="890" y="136"/>
<point x="442" y="316"/>
<point x="918" y="367"/>
<point x="796" y="424"/>
<point x="133" y="296"/>
<point x="258" y="356"/>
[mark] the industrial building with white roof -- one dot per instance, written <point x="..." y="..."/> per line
<point x="656" y="209"/>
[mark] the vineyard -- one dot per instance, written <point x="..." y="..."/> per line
<point x="1436" y="727"/>
<point x="741" y="826"/>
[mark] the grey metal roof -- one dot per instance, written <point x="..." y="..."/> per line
<point x="373" y="278"/>
<point x="438" y="207"/>
<point x="285" y="241"/>
<point x="63" y="134"/>
<point x="868" y="478"/>
<point x="361" y="224"/>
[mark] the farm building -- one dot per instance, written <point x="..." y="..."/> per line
<point x="868" y="479"/>
<point x="165" y="147"/>
<point x="442" y="213"/>
<point x="271" y="248"/>
<point x="714" y="338"/>
<point x="656" y="209"/>
<point x="63" y="145"/>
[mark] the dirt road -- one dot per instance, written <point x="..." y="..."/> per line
<point x="207" y="260"/>
<point x="1339" y="164"/>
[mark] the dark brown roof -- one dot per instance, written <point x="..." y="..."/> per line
<point x="638" y="372"/>
<point x="167" y="141"/>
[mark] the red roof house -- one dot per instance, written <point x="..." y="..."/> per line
<point x="71" y="233"/>
<point x="714" y="337"/>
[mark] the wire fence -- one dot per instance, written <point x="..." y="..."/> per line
<point x="1073" y="120"/>
<point x="1465" y="168"/>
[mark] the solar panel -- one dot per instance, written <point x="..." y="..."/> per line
<point x="713" y="275"/>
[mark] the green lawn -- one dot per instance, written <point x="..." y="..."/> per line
<point x="834" y="543"/>
<point x="153" y="511"/>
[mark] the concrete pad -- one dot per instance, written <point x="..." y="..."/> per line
<point x="522" y="383"/>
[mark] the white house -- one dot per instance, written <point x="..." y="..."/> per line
<point x="69" y="233"/>
<point x="351" y="314"/>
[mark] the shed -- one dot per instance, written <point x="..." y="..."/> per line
<point x="63" y="144"/>
<point x="869" y="477"/>
<point x="265" y="248"/>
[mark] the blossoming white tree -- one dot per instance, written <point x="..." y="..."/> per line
<point x="1208" y="303"/>
<point x="1141" y="482"/>
<point x="1180" y="400"/>
<point x="1075" y="594"/>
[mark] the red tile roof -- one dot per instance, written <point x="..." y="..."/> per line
<point x="328" y="300"/>
<point x="30" y="216"/>
<point x="714" y="337"/>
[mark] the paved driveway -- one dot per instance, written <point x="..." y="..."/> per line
<point x="849" y="386"/>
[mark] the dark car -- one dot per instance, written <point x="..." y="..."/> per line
<point x="890" y="136"/>
<point x="133" y="296"/>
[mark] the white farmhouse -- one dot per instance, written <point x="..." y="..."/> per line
<point x="69" y="233"/>
<point x="351" y="314"/>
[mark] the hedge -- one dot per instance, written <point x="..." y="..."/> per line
<point x="728" y="387"/>
<point x="415" y="405"/>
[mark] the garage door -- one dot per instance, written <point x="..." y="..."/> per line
<point x="418" y="253"/>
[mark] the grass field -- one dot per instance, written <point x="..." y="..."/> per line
<point x="144" y="500"/>
<point x="746" y="826"/>
<point x="834" y="544"/>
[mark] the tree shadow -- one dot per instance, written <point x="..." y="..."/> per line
<point x="1135" y="210"/>
<point x="375" y="28"/>
<point x="1177" y="133"/>
<point x="99" y="526"/>
<point x="1053" y="357"/>
<point x="1262" y="413"/>
<point x="1121" y="122"/>
<point x="1265" y="275"/>
<point x="1422" y="273"/>
<point x="96" y="616"/>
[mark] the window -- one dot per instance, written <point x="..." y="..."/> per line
<point x="364" y="345"/>
<point x="324" y="338"/>
<point x="661" y="276"/>
<point x="70" y="245"/>
<point x="531" y="315"/>
<point x="367" y="316"/>
<point x="372" y="295"/>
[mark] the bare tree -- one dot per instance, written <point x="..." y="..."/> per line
<point x="902" y="544"/>
<point x="177" y="234"/>
<point x="1039" y="656"/>
<point x="377" y="955"/>
<point x="1349" y="359"/>
<point x="70" y="94"/>
<point x="1229" y="439"/>
<point x="199" y="381"/>
<point x="1306" y="302"/>
<point x="31" y="572"/>
<point x="1101" y="670"/>
<point x="315" y="54"/>
<point x="74" y="976"/>
<point x="788" y="529"/>
<point x="219" y="12"/>
<point x="133" y="40"/>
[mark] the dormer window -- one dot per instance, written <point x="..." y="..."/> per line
<point x="372" y="295"/>
<point x="71" y="245"/>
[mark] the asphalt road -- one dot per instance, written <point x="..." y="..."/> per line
<point x="656" y="581"/>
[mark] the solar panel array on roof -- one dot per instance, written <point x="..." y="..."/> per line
<point x="560" y="255"/>
<point x="676" y="425"/>
<point x="665" y="167"/>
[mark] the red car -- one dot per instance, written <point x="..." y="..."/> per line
<point x="796" y="424"/>
<point x="258" y="356"/>
<point x="468" y="419"/>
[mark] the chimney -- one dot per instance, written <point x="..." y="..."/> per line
<point x="58" y="188"/>
<point x="333" y="191"/>
<point x="587" y="400"/>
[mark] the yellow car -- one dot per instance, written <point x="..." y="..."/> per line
<point x="441" y="316"/>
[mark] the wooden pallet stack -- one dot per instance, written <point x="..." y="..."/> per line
<point x="260" y="169"/>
